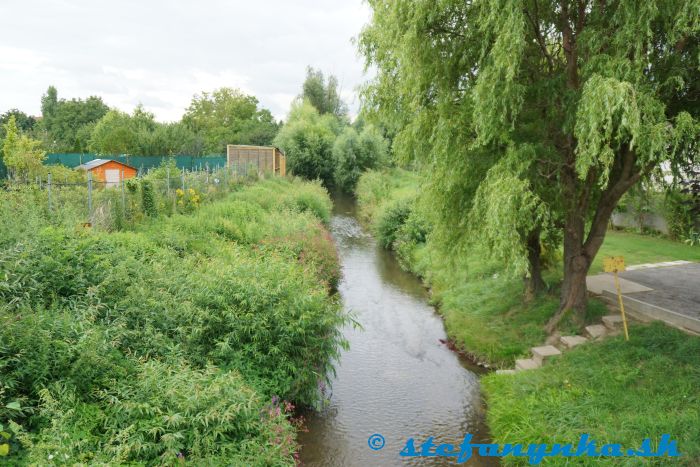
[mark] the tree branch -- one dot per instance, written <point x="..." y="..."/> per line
<point x="540" y="39"/>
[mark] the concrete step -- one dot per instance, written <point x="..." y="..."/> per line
<point x="569" y="342"/>
<point x="642" y="311"/>
<point x="527" y="364"/>
<point x="596" y="331"/>
<point x="543" y="353"/>
<point x="612" y="322"/>
<point x="505" y="372"/>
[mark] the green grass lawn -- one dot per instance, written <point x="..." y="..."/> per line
<point x="639" y="249"/>
<point x="616" y="391"/>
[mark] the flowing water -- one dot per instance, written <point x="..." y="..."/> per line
<point x="398" y="378"/>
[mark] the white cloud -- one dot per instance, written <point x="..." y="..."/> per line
<point x="161" y="53"/>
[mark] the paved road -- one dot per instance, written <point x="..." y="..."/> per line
<point x="676" y="288"/>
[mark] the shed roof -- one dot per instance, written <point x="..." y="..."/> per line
<point x="98" y="162"/>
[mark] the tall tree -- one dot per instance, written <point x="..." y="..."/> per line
<point x="227" y="116"/>
<point x="25" y="123"/>
<point x="575" y="100"/>
<point x="323" y="93"/>
<point x="21" y="154"/>
<point x="62" y="120"/>
<point x="114" y="134"/>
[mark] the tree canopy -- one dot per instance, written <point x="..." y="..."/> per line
<point x="227" y="116"/>
<point x="21" y="154"/>
<point x="355" y="152"/>
<point x="549" y="111"/>
<point x="323" y="93"/>
<point x="139" y="133"/>
<point x="307" y="139"/>
<point x="65" y="123"/>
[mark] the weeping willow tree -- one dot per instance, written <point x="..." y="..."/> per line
<point x="534" y="117"/>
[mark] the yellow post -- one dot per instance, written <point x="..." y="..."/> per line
<point x="614" y="264"/>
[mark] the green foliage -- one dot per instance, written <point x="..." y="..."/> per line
<point x="390" y="219"/>
<point x="227" y="116"/>
<point x="165" y="342"/>
<point x="589" y="98"/>
<point x="354" y="153"/>
<point x="21" y="154"/>
<point x="505" y="210"/>
<point x="148" y="202"/>
<point x="64" y="121"/>
<point x="680" y="211"/>
<point x="120" y="133"/>
<point x="164" y="415"/>
<point x="635" y="390"/>
<point x="323" y="94"/>
<point x="473" y="290"/>
<point x="25" y="123"/>
<point x="307" y="140"/>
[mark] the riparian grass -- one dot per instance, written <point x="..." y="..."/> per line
<point x="616" y="391"/>
<point x="485" y="314"/>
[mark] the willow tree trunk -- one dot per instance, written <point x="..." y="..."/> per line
<point x="534" y="283"/>
<point x="580" y="248"/>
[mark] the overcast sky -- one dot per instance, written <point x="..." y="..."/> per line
<point x="162" y="52"/>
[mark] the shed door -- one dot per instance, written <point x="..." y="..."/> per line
<point x="112" y="177"/>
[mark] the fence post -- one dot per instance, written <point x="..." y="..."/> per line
<point x="167" y="176"/>
<point x="48" y="189"/>
<point x="182" y="176"/>
<point x="90" y="197"/>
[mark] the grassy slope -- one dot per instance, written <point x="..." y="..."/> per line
<point x="477" y="295"/>
<point x="616" y="391"/>
<point x="472" y="295"/>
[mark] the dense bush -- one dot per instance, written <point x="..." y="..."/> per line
<point x="167" y="341"/>
<point x="392" y="218"/>
<point x="354" y="153"/>
<point x="307" y="141"/>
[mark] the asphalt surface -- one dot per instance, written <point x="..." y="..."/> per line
<point x="676" y="288"/>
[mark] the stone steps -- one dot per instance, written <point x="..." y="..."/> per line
<point x="569" y="342"/>
<point x="526" y="364"/>
<point x="596" y="331"/>
<point x="613" y="322"/>
<point x="541" y="354"/>
<point x="544" y="353"/>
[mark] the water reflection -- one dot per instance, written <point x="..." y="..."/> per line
<point x="398" y="378"/>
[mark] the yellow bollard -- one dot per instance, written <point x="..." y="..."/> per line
<point x="616" y="264"/>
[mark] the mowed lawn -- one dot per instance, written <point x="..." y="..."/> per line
<point x="640" y="249"/>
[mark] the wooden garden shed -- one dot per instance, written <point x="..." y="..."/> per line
<point x="109" y="172"/>
<point x="264" y="158"/>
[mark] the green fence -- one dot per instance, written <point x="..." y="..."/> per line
<point x="142" y="163"/>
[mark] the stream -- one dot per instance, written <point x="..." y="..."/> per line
<point x="398" y="378"/>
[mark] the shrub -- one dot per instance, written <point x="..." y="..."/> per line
<point x="307" y="141"/>
<point x="148" y="201"/>
<point x="391" y="219"/>
<point x="355" y="153"/>
<point x="165" y="342"/>
<point x="165" y="415"/>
